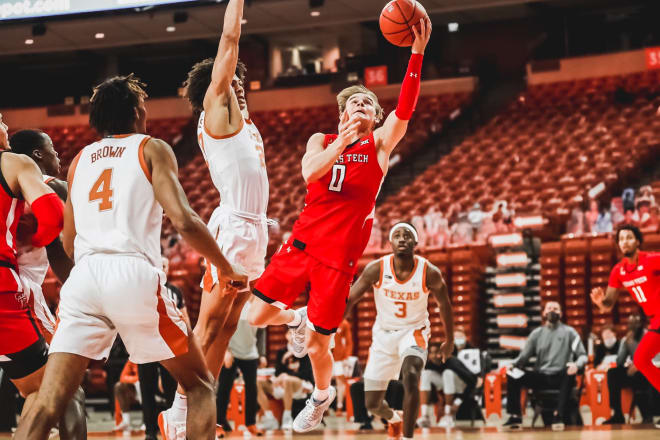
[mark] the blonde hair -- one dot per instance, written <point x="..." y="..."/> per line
<point x="346" y="94"/>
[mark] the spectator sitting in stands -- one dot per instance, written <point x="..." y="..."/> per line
<point x="616" y="211"/>
<point x="418" y="222"/>
<point x="437" y="228"/>
<point x="629" y="217"/>
<point x="603" y="223"/>
<point x="559" y="354"/>
<point x="476" y="216"/>
<point x="461" y="231"/>
<point x="626" y="375"/>
<point x="575" y="223"/>
<point x="531" y="245"/>
<point x="487" y="229"/>
<point x="628" y="199"/>
<point x="591" y="216"/>
<point x="646" y="192"/>
<point x="449" y="379"/>
<point x="646" y="216"/>
<point x="606" y="348"/>
<point x="293" y="380"/>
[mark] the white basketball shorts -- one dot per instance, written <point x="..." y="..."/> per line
<point x="110" y="294"/>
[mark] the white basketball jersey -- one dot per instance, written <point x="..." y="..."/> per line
<point x="33" y="264"/>
<point x="238" y="167"/>
<point x="401" y="304"/>
<point x="114" y="206"/>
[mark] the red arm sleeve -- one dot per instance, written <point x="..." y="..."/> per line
<point x="49" y="211"/>
<point x="410" y="88"/>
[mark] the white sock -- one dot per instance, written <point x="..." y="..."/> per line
<point x="425" y="410"/>
<point x="297" y="319"/>
<point x="286" y="414"/>
<point x="268" y="414"/>
<point x="320" y="395"/>
<point x="179" y="407"/>
<point x="126" y="417"/>
<point x="396" y="418"/>
<point x="447" y="409"/>
<point x="407" y="438"/>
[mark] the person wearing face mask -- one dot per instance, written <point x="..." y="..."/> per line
<point x="606" y="348"/>
<point x="449" y="379"/>
<point x="626" y="374"/>
<point x="559" y="355"/>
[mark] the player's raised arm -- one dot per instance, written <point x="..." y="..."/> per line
<point x="227" y="56"/>
<point x="605" y="300"/>
<point x="436" y="284"/>
<point x="168" y="192"/>
<point x="396" y="124"/>
<point x="370" y="276"/>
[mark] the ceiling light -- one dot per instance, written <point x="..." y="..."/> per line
<point x="315" y="13"/>
<point x="170" y="28"/>
<point x="243" y="21"/>
<point x="99" y="35"/>
<point x="453" y="27"/>
<point x="29" y="41"/>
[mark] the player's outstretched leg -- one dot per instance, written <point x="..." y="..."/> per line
<point x="411" y="371"/>
<point x="377" y="405"/>
<point x="73" y="424"/>
<point x="190" y="371"/>
<point x="263" y="314"/>
<point x="62" y="377"/>
<point x="318" y="346"/>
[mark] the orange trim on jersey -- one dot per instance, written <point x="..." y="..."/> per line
<point x="249" y="121"/>
<point x="412" y="272"/>
<point x="48" y="179"/>
<point x="208" y="278"/>
<point x="206" y="130"/>
<point x="143" y="162"/>
<point x="424" y="288"/>
<point x="419" y="338"/>
<point x="173" y="336"/>
<point x="121" y="136"/>
<point x="380" y="277"/>
<point x="72" y="170"/>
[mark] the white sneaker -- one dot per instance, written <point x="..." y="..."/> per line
<point x="269" y="423"/>
<point x="446" y="421"/>
<point x="169" y="429"/>
<point x="298" y="340"/>
<point x="287" y="423"/>
<point x="424" y="422"/>
<point x="122" y="426"/>
<point x="312" y="415"/>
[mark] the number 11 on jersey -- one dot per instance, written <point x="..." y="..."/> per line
<point x="338" y="176"/>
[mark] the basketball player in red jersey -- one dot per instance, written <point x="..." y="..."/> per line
<point x="344" y="173"/>
<point x="23" y="350"/>
<point x="638" y="273"/>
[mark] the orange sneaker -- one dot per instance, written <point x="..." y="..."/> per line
<point x="252" y="429"/>
<point x="220" y="432"/>
<point x="395" y="431"/>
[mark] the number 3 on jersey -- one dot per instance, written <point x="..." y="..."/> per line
<point x="101" y="190"/>
<point x="338" y="176"/>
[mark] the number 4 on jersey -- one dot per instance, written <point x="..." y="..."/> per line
<point x="102" y="191"/>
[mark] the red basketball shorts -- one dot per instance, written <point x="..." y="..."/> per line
<point x="287" y="276"/>
<point x="17" y="327"/>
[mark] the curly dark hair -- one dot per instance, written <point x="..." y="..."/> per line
<point x="113" y="104"/>
<point x="199" y="79"/>
<point x="628" y="227"/>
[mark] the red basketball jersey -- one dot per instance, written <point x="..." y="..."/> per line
<point x="335" y="224"/>
<point x="641" y="280"/>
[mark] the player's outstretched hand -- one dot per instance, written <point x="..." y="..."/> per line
<point x="446" y="350"/>
<point x="422" y="36"/>
<point x="597" y="296"/>
<point x="4" y="135"/>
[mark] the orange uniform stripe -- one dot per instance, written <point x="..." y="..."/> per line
<point x="143" y="162"/>
<point x="72" y="170"/>
<point x="419" y="339"/>
<point x="173" y="336"/>
<point x="380" y="277"/>
<point x="227" y="136"/>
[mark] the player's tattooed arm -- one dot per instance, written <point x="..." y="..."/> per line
<point x="605" y="300"/>
<point x="226" y="59"/>
<point x="370" y="276"/>
<point x="437" y="286"/>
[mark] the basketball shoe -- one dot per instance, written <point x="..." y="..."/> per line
<point x="298" y="337"/>
<point x="312" y="414"/>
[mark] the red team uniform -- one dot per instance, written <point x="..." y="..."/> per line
<point x="18" y="329"/>
<point x="642" y="281"/>
<point x="328" y="238"/>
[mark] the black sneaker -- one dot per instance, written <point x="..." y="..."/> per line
<point x="366" y="426"/>
<point x="225" y="425"/>
<point x="513" y="424"/>
<point x="616" y="419"/>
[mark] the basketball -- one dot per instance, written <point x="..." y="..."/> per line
<point x="397" y="19"/>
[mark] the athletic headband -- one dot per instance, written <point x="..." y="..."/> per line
<point x="406" y="226"/>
